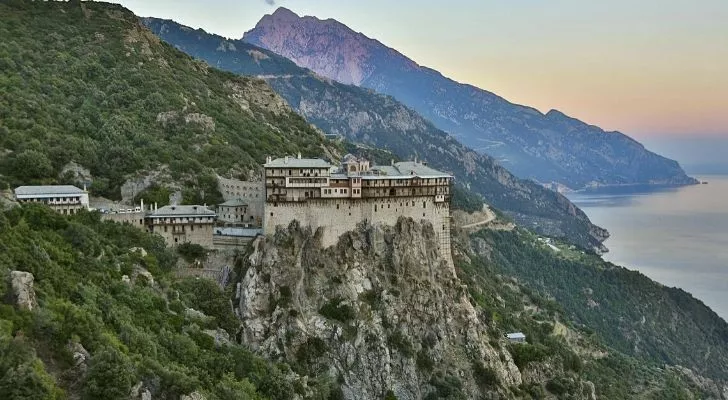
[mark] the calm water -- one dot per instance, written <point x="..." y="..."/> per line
<point x="677" y="236"/>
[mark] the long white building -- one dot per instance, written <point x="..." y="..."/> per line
<point x="65" y="199"/>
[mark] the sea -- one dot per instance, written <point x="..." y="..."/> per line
<point x="677" y="236"/>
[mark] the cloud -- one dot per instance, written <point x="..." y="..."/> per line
<point x="270" y="2"/>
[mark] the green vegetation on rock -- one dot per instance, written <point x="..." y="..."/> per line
<point x="133" y="332"/>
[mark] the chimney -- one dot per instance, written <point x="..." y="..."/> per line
<point x="268" y="160"/>
<point x="393" y="162"/>
<point x="155" y="206"/>
<point x="286" y="160"/>
<point x="299" y="155"/>
<point x="142" y="205"/>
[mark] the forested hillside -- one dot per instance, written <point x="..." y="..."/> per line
<point x="104" y="317"/>
<point x="94" y="334"/>
<point x="628" y="310"/>
<point x="86" y="82"/>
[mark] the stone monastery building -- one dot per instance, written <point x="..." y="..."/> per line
<point x="336" y="199"/>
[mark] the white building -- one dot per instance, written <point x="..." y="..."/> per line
<point x="516" y="337"/>
<point x="65" y="199"/>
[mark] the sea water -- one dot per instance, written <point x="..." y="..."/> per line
<point x="675" y="236"/>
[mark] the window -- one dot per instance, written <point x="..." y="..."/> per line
<point x="165" y="229"/>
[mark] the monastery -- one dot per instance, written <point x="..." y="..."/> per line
<point x="336" y="199"/>
<point x="332" y="199"/>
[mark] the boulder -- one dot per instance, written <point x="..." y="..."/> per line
<point x="23" y="292"/>
<point x="140" y="392"/>
<point x="139" y="250"/>
<point x="222" y="338"/>
<point x="192" y="396"/>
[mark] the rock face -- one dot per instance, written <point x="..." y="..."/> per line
<point x="23" y="292"/>
<point x="363" y="116"/>
<point x="380" y="311"/>
<point x="548" y="148"/>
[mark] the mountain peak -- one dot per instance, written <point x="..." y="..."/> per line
<point x="284" y="13"/>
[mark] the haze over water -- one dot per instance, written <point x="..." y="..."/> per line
<point x="676" y="236"/>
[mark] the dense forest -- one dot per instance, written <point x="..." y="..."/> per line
<point x="97" y="335"/>
<point x="86" y="82"/>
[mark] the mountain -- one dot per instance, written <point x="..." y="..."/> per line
<point x="547" y="147"/>
<point x="93" y="309"/>
<point x="88" y="85"/>
<point x="363" y="116"/>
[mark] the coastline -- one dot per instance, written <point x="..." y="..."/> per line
<point x="674" y="234"/>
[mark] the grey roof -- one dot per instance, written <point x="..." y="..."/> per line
<point x="418" y="169"/>
<point x="240" y="232"/>
<point x="516" y="335"/>
<point x="47" y="190"/>
<point x="233" y="203"/>
<point x="406" y="169"/>
<point x="182" y="211"/>
<point x="294" y="162"/>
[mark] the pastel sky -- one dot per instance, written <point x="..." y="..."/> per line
<point x="648" y="68"/>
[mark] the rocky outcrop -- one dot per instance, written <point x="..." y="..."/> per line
<point x="23" y="291"/>
<point x="380" y="311"/>
<point x="76" y="173"/>
<point x="192" y="396"/>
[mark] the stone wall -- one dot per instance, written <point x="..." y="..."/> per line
<point x="199" y="234"/>
<point x="133" y="218"/>
<point x="253" y="193"/>
<point x="338" y="216"/>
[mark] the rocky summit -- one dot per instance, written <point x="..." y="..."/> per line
<point x="548" y="148"/>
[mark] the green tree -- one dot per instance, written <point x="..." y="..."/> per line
<point x="110" y="375"/>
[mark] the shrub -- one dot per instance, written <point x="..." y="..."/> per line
<point x="192" y="251"/>
<point x="399" y="341"/>
<point x="484" y="376"/>
<point x="333" y="309"/>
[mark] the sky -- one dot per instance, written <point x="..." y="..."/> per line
<point x="649" y="68"/>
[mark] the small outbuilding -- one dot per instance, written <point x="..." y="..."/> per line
<point x="516" y="337"/>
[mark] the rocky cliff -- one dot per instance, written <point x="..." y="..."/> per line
<point x="545" y="147"/>
<point x="381" y="311"/>
<point x="382" y="314"/>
